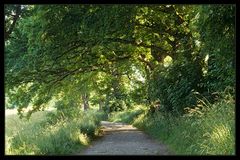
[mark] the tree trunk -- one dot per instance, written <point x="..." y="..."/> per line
<point x="100" y="105"/>
<point x="85" y="98"/>
<point x="148" y="78"/>
<point x="107" y="104"/>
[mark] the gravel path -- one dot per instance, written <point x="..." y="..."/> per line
<point x="122" y="139"/>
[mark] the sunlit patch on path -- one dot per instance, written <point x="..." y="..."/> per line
<point x="123" y="139"/>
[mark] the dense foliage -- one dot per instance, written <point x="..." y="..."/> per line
<point x="113" y="56"/>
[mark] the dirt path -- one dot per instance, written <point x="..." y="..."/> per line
<point x="122" y="139"/>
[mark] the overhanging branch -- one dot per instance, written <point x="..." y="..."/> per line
<point x="15" y="18"/>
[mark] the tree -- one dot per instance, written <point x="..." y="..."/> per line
<point x="54" y="46"/>
<point x="217" y="29"/>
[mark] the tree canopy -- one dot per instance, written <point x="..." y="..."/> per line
<point x="117" y="55"/>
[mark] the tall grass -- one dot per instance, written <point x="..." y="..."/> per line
<point x="212" y="133"/>
<point x="58" y="133"/>
<point x="199" y="132"/>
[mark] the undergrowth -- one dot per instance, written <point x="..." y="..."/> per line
<point x="126" y="116"/>
<point x="61" y="132"/>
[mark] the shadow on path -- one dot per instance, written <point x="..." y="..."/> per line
<point x="123" y="139"/>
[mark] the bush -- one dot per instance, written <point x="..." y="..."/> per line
<point x="175" y="85"/>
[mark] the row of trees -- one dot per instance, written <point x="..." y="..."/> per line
<point x="118" y="55"/>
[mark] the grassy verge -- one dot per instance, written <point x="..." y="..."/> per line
<point x="210" y="132"/>
<point x="52" y="133"/>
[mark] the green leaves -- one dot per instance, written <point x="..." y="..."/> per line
<point x="61" y="47"/>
